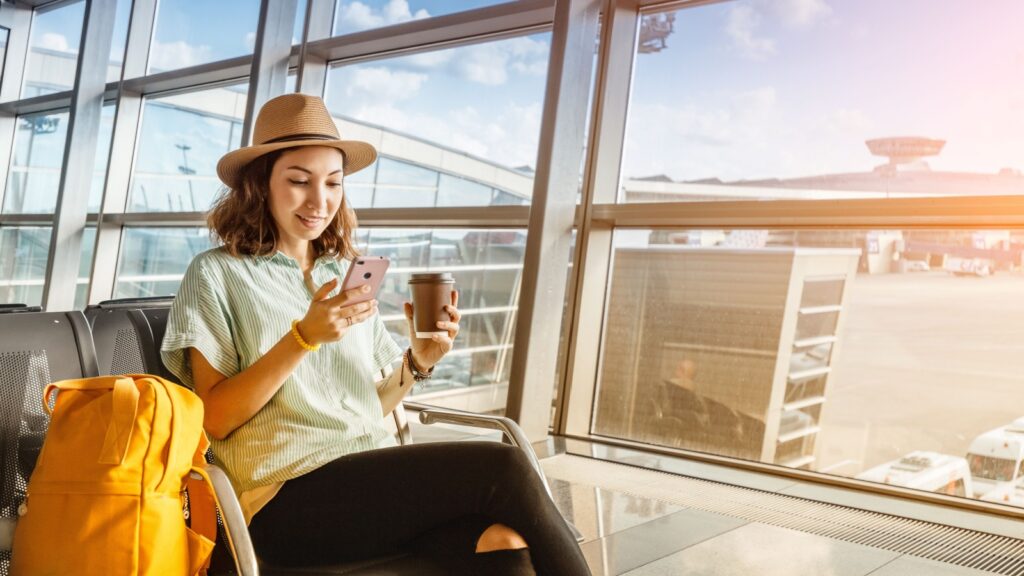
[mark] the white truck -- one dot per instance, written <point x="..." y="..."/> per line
<point x="996" y="458"/>
<point x="922" y="470"/>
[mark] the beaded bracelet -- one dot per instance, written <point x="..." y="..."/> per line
<point x="302" y="342"/>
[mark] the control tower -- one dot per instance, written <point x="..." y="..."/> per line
<point x="905" y="153"/>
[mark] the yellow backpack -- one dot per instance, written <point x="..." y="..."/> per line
<point x="107" y="494"/>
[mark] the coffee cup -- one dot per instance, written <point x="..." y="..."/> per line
<point x="431" y="292"/>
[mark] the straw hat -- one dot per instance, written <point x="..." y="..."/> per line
<point x="290" y="121"/>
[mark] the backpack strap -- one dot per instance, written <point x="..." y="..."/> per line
<point x="202" y="499"/>
<point x="125" y="402"/>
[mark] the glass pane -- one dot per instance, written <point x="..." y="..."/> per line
<point x="890" y="356"/>
<point x="470" y="113"/>
<point x="356" y="15"/>
<point x="23" y="255"/>
<point x="758" y="100"/>
<point x="189" y="33"/>
<point x="99" y="173"/>
<point x="38" y="158"/>
<point x="5" y="35"/>
<point x="487" y="265"/>
<point x="182" y="138"/>
<point x="120" y="36"/>
<point x="85" y="268"/>
<point x="53" y="49"/>
<point x="154" y="260"/>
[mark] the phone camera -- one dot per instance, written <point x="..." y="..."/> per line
<point x="367" y="275"/>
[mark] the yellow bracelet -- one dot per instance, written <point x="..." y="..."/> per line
<point x="298" y="338"/>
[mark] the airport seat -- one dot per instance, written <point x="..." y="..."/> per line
<point x="35" y="349"/>
<point x="120" y="351"/>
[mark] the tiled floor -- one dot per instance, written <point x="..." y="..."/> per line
<point x="640" y="533"/>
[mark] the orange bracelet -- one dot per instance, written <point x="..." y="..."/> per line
<point x="302" y="342"/>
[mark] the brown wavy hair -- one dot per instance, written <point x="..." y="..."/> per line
<point x="241" y="219"/>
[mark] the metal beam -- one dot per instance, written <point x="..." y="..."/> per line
<point x="992" y="212"/>
<point x="483" y="24"/>
<point x="79" y="155"/>
<point x="127" y="122"/>
<point x="594" y="242"/>
<point x="312" y="77"/>
<point x="269" y="75"/>
<point x="534" y="363"/>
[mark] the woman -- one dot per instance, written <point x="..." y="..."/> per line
<point x="289" y="374"/>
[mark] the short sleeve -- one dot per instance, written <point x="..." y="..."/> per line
<point x="385" y="350"/>
<point x="199" y="318"/>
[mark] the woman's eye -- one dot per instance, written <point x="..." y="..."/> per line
<point x="299" y="182"/>
<point x="334" y="184"/>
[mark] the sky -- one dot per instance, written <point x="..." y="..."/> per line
<point x="784" y="88"/>
<point x="744" y="90"/>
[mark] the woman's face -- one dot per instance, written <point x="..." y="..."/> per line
<point x="305" y="192"/>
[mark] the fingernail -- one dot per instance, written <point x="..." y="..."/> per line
<point x="440" y="324"/>
<point x="366" y="288"/>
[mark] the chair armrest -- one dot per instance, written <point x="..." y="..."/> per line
<point x="234" y="523"/>
<point x="514" y="435"/>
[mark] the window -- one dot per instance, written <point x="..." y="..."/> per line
<point x="356" y="15"/>
<point x="487" y="265"/>
<point x="828" y="350"/>
<point x="182" y="137"/>
<point x="750" y="100"/>
<point x="23" y="254"/>
<point x="36" y="164"/>
<point x="470" y="115"/>
<point x="154" y="260"/>
<point x="189" y="33"/>
<point x="53" y="49"/>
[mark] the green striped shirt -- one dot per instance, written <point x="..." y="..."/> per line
<point x="233" y="311"/>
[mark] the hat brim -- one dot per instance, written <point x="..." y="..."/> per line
<point x="358" y="155"/>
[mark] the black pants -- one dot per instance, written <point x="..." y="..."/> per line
<point x="417" y="497"/>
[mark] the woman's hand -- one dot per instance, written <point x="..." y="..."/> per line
<point x="427" y="352"/>
<point x="328" y="319"/>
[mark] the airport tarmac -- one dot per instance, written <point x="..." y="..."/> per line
<point x="926" y="361"/>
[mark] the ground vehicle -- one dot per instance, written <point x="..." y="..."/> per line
<point x="968" y="266"/>
<point x="996" y="457"/>
<point x="923" y="470"/>
<point x="1007" y="493"/>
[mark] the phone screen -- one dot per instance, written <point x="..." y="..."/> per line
<point x="365" y="270"/>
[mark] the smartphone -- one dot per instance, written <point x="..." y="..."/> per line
<point x="362" y="271"/>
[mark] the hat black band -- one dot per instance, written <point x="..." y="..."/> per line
<point x="301" y="137"/>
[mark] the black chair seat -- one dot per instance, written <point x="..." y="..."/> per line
<point x="401" y="565"/>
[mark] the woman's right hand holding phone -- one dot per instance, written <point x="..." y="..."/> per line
<point x="328" y="319"/>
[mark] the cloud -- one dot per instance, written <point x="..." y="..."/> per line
<point x="250" y="41"/>
<point x="489" y="63"/>
<point x="180" y="54"/>
<point x="741" y="26"/>
<point x="358" y="16"/>
<point x="383" y="84"/>
<point x="799" y="13"/>
<point x="55" y="41"/>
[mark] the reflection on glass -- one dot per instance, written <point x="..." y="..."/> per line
<point x="118" y="40"/>
<point x="190" y="33"/>
<point x="487" y="265"/>
<point x="754" y="100"/>
<point x="153" y="260"/>
<point x="23" y="255"/>
<point x="890" y="356"/>
<point x="38" y="157"/>
<point x="181" y="140"/>
<point x="457" y="127"/>
<point x="356" y="15"/>
<point x="53" y="49"/>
